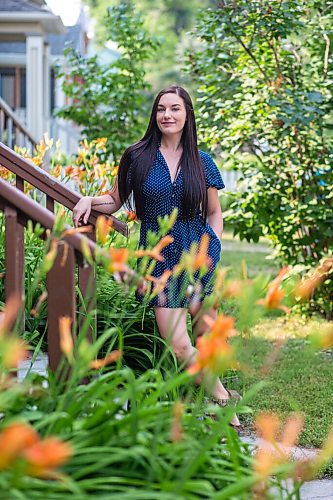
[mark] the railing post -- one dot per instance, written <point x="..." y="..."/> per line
<point x="14" y="258"/>
<point x="20" y="233"/>
<point x="61" y="299"/>
<point x="2" y="124"/>
<point x="50" y="203"/>
<point x="10" y="132"/>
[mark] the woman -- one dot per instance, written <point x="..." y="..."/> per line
<point x="165" y="170"/>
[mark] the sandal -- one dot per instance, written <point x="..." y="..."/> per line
<point x="238" y="428"/>
<point x="234" y="397"/>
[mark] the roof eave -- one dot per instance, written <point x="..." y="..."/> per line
<point x="50" y="22"/>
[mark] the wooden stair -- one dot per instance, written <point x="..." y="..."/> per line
<point x="18" y="209"/>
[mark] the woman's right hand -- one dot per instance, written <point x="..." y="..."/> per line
<point x="81" y="211"/>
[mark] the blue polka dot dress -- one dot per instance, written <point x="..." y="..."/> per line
<point x="160" y="197"/>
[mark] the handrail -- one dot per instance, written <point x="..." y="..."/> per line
<point x="61" y="294"/>
<point x="12" y="118"/>
<point x="30" y="210"/>
<point x="19" y="208"/>
<point x="43" y="181"/>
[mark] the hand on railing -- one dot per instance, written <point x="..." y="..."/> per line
<point x="81" y="211"/>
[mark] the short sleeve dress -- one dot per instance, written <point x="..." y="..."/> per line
<point x="160" y="197"/>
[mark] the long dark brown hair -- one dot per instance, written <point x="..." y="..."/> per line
<point x="138" y="159"/>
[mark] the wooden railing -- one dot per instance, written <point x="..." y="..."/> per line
<point x="19" y="208"/>
<point x="12" y="130"/>
<point x="61" y="301"/>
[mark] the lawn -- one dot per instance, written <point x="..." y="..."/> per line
<point x="296" y="377"/>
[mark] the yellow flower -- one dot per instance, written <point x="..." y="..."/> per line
<point x="103" y="228"/>
<point x="99" y="170"/>
<point x="56" y="171"/>
<point x="100" y="143"/>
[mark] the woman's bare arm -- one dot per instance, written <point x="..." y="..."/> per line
<point x="106" y="204"/>
<point x="214" y="212"/>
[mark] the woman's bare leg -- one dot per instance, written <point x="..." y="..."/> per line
<point x="172" y="327"/>
<point x="200" y="328"/>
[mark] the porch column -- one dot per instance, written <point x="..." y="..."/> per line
<point x="35" y="91"/>
<point x="47" y="87"/>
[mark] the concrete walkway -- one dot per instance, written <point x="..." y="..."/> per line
<point x="311" y="490"/>
<point x="320" y="488"/>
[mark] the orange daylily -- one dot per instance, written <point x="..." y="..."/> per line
<point x="69" y="170"/>
<point x="197" y="258"/>
<point x="307" y="286"/>
<point x="233" y="288"/>
<point x="214" y="352"/>
<point x="13" y="352"/>
<point x="56" y="171"/>
<point x="159" y="283"/>
<point x="4" y="172"/>
<point x="45" y="456"/>
<point x="110" y="358"/>
<point x="103" y="186"/>
<point x="10" y="313"/>
<point x="221" y="327"/>
<point x="130" y="215"/>
<point x="41" y="299"/>
<point x="103" y="228"/>
<point x="75" y="230"/>
<point x="66" y="338"/>
<point x="13" y="440"/>
<point x="323" y="338"/>
<point x="270" y="452"/>
<point x="119" y="257"/>
<point x="275" y="294"/>
<point x="201" y="259"/>
<point x="155" y="253"/>
<point x="50" y="256"/>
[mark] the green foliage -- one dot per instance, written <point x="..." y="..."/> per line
<point x="300" y="381"/>
<point x="170" y="21"/>
<point x="264" y="72"/>
<point x="109" y="100"/>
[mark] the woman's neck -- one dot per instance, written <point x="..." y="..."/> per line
<point x="172" y="143"/>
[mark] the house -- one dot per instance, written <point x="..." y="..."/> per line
<point x="32" y="40"/>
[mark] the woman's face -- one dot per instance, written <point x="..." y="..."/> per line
<point x="171" y="114"/>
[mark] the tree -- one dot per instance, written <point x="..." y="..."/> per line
<point x="169" y="20"/>
<point x="110" y="100"/>
<point x="264" y="76"/>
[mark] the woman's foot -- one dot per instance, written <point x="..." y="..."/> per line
<point x="228" y="397"/>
